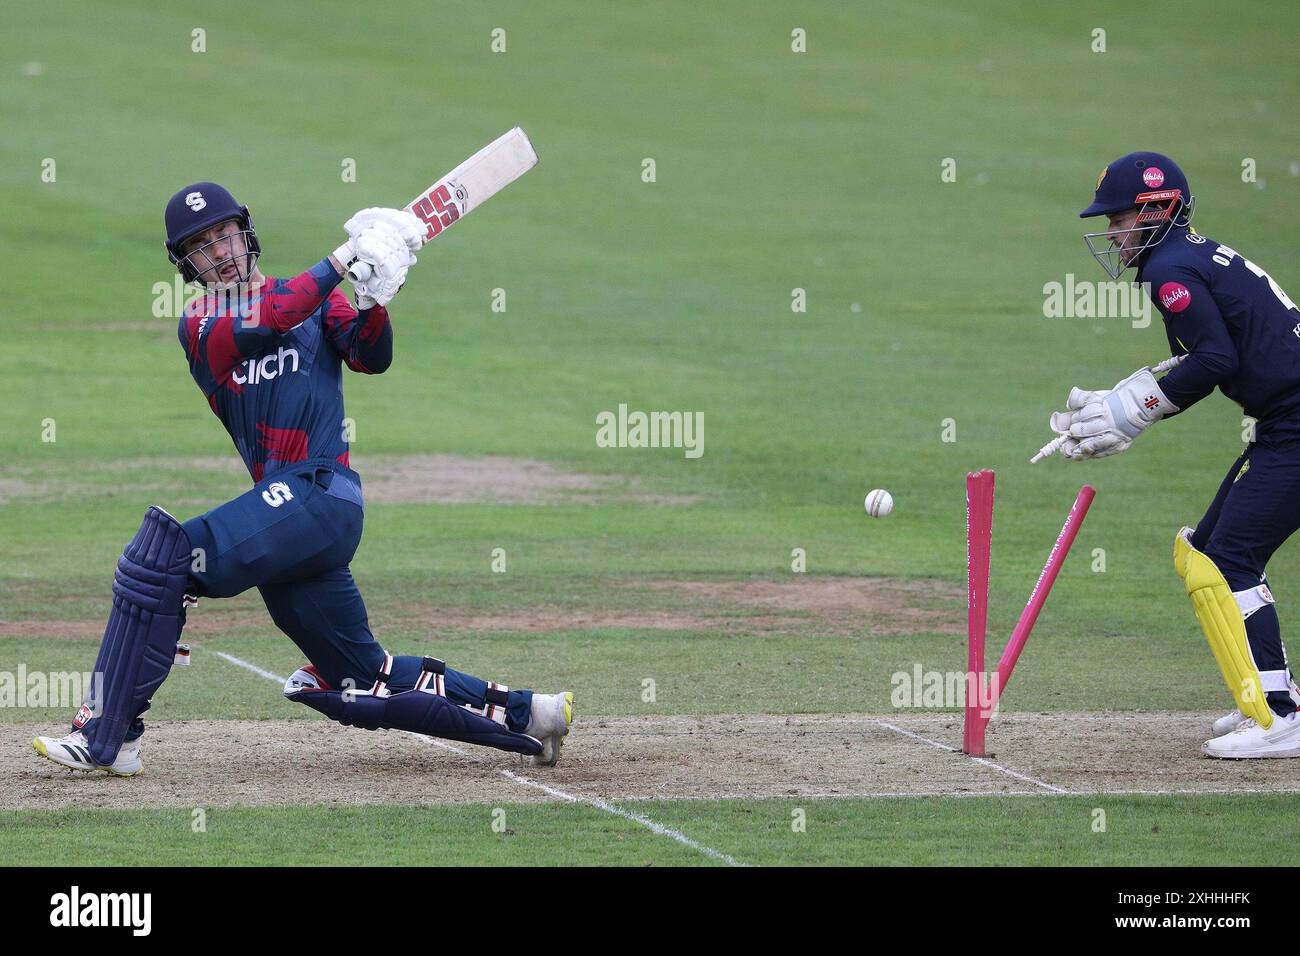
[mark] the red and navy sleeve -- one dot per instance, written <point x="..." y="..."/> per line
<point x="217" y="344"/>
<point x="1195" y="326"/>
<point x="363" y="339"/>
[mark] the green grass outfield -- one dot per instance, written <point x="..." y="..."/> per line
<point x="775" y="171"/>
<point x="1024" y="831"/>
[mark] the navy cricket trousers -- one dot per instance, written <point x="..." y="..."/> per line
<point x="292" y="536"/>
<point x="1255" y="510"/>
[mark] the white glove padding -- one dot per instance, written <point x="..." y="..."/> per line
<point x="1128" y="409"/>
<point x="405" y="227"/>
<point x="1078" y="399"/>
<point x="1105" y="422"/>
<point x="381" y="249"/>
<point x="354" y="257"/>
<point x="407" y="224"/>
<point x="1098" y="446"/>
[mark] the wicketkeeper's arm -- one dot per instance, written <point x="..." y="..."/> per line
<point x="1194" y="325"/>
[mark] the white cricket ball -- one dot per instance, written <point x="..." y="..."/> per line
<point x="878" y="503"/>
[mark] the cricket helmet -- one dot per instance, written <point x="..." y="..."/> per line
<point x="198" y="207"/>
<point x="1151" y="183"/>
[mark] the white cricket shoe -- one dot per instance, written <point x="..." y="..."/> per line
<point x="1251" y="741"/>
<point x="1227" y="723"/>
<point x="1230" y="722"/>
<point x="549" y="721"/>
<point x="73" y="752"/>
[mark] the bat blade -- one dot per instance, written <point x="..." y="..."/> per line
<point x="474" y="182"/>
<point x="468" y="186"/>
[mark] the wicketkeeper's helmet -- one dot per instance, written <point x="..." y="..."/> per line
<point x="1153" y="184"/>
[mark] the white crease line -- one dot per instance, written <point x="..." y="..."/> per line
<point x="250" y="667"/>
<point x="860" y="795"/>
<point x="1019" y="776"/>
<point x="1187" y="792"/>
<point x="556" y="792"/>
<point x="990" y="794"/>
<point x="980" y="760"/>
<point x="646" y="822"/>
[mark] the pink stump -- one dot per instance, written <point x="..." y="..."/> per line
<point x="1038" y="597"/>
<point x="979" y="542"/>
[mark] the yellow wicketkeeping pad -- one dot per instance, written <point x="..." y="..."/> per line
<point x="1224" y="627"/>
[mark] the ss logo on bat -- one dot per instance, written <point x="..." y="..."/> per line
<point x="438" y="209"/>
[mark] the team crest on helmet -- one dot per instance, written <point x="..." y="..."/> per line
<point x="1100" y="176"/>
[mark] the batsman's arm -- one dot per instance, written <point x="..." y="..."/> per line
<point x="363" y="339"/>
<point x="217" y="344"/>
<point x="288" y="304"/>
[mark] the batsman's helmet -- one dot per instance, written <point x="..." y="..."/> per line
<point x="195" y="208"/>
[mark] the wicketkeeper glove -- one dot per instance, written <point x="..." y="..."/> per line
<point x="1103" y="423"/>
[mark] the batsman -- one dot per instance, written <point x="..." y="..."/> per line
<point x="268" y="355"/>
<point x="1229" y="326"/>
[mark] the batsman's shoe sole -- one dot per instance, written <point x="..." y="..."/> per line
<point x="59" y="753"/>
<point x="552" y="744"/>
<point x="1265" y="754"/>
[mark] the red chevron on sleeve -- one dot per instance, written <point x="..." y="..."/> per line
<point x="287" y="304"/>
<point x="222" y="354"/>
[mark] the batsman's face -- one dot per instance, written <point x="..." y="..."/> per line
<point x="1122" y="235"/>
<point x="219" y="254"/>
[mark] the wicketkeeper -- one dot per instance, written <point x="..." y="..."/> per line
<point x="268" y="355"/>
<point x="1238" y="331"/>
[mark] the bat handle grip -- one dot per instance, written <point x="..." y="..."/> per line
<point x="360" y="270"/>
<point x="353" y="268"/>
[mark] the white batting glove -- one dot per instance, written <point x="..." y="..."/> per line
<point x="406" y="223"/>
<point x="386" y="257"/>
<point x="405" y="226"/>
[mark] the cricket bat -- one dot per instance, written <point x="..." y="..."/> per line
<point x="465" y="188"/>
